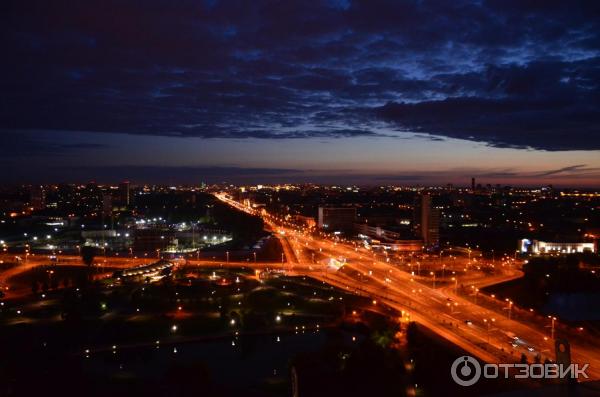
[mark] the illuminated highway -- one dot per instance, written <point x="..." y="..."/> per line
<point x="105" y="266"/>
<point x="487" y="334"/>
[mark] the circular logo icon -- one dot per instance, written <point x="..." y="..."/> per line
<point x="465" y="371"/>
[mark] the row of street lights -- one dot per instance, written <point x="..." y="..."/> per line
<point x="453" y="305"/>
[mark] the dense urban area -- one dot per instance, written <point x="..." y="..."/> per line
<point x="292" y="289"/>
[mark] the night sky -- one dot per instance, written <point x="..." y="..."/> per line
<point x="370" y="91"/>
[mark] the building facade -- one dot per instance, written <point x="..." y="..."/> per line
<point x="336" y="218"/>
<point x="537" y="247"/>
<point x="430" y="222"/>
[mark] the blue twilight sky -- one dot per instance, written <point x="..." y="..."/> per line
<point x="370" y="92"/>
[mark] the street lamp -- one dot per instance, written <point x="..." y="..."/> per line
<point x="227" y="256"/>
<point x="433" y="274"/>
<point x="451" y="306"/>
<point x="553" y="319"/>
<point x="485" y="320"/>
<point x="50" y="273"/>
<point x="509" y="308"/>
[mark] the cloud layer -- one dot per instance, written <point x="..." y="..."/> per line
<point x="522" y="74"/>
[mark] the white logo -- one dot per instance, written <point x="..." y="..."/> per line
<point x="465" y="371"/>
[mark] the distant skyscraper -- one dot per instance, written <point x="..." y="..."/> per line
<point x="107" y="205"/>
<point x="430" y="222"/>
<point x="473" y="184"/>
<point x="37" y="197"/>
<point x="124" y="193"/>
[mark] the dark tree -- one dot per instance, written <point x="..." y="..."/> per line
<point x="54" y="282"/>
<point x="523" y="358"/>
<point x="88" y="253"/>
<point x="412" y="333"/>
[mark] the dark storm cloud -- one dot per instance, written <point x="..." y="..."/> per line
<point x="507" y="73"/>
<point x="548" y="105"/>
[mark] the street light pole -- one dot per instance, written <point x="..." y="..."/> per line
<point x="451" y="306"/>
<point x="553" y="319"/>
<point x="510" y="303"/>
<point x="193" y="236"/>
<point x="485" y="320"/>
